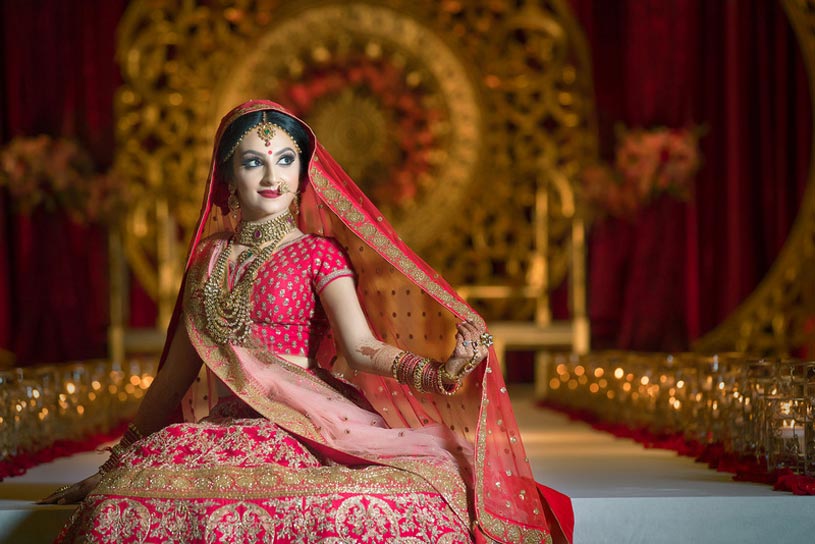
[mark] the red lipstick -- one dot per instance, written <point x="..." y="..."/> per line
<point x="268" y="193"/>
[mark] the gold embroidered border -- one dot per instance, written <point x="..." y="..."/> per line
<point x="266" y="481"/>
<point x="492" y="525"/>
<point x="354" y="219"/>
<point x="328" y="278"/>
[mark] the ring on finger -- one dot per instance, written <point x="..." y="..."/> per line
<point x="473" y="358"/>
<point x="63" y="489"/>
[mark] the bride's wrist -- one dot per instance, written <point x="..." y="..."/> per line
<point x="131" y="436"/>
<point x="449" y="376"/>
<point x="423" y="374"/>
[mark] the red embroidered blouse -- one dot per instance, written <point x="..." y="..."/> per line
<point x="286" y="310"/>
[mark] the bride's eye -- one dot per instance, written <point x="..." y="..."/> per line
<point x="286" y="159"/>
<point x="251" y="162"/>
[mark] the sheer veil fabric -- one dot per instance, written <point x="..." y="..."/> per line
<point x="408" y="305"/>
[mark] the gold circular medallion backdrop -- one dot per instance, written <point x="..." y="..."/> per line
<point x="465" y="122"/>
<point x="385" y="95"/>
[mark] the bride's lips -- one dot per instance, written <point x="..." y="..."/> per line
<point x="269" y="194"/>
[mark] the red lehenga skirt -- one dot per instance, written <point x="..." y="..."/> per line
<point x="237" y="477"/>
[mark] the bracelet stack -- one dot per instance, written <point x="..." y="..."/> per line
<point x="423" y="375"/>
<point x="131" y="436"/>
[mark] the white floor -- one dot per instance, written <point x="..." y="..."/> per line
<point x="621" y="492"/>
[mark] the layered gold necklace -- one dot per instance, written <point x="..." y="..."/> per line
<point x="228" y="312"/>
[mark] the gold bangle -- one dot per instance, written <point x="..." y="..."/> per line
<point x="445" y="374"/>
<point x="417" y="375"/>
<point x="395" y="364"/>
<point x="443" y="387"/>
<point x="131" y="436"/>
<point x="131" y="427"/>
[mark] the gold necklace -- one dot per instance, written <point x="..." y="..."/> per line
<point x="228" y="312"/>
<point x="257" y="233"/>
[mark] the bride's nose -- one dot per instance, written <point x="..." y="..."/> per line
<point x="268" y="177"/>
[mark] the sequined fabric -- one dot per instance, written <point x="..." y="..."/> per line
<point x="236" y="479"/>
<point x="287" y="315"/>
<point x="407" y="304"/>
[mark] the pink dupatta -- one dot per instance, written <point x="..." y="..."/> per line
<point x="410" y="306"/>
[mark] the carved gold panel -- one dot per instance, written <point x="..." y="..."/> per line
<point x="465" y="122"/>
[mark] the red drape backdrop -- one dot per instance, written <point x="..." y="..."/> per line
<point x="655" y="283"/>
<point x="675" y="271"/>
<point x="58" y="77"/>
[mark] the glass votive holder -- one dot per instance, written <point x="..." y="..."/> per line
<point x="758" y="379"/>
<point x="688" y="397"/>
<point x="809" y="423"/>
<point x="787" y="435"/>
<point x="8" y="395"/>
<point x="787" y="417"/>
<point x="45" y="379"/>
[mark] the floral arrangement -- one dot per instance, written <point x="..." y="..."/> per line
<point x="58" y="174"/>
<point x="648" y="163"/>
<point x="410" y="158"/>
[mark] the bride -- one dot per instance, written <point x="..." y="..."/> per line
<point x="353" y="396"/>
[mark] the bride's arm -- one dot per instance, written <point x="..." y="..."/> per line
<point x="176" y="376"/>
<point x="171" y="383"/>
<point x="358" y="344"/>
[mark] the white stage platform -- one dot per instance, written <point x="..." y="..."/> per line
<point x="622" y="493"/>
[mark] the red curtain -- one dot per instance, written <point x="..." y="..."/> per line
<point x="58" y="77"/>
<point x="674" y="272"/>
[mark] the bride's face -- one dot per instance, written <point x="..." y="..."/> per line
<point x="266" y="176"/>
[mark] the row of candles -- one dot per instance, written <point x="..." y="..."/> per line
<point x="40" y="405"/>
<point x="753" y="407"/>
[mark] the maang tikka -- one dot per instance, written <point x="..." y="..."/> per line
<point x="266" y="130"/>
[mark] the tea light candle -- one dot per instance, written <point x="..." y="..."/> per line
<point x="789" y="431"/>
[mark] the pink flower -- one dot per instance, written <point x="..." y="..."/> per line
<point x="66" y="180"/>
<point x="647" y="163"/>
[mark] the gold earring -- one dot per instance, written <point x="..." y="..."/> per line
<point x="295" y="205"/>
<point x="233" y="202"/>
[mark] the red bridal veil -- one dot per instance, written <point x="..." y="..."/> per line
<point x="408" y="305"/>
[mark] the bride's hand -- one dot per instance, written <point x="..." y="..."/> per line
<point x="72" y="493"/>
<point x="472" y="346"/>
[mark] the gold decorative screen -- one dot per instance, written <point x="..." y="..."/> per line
<point x="466" y="122"/>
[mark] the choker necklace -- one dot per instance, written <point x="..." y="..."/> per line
<point x="228" y="312"/>
<point x="258" y="233"/>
